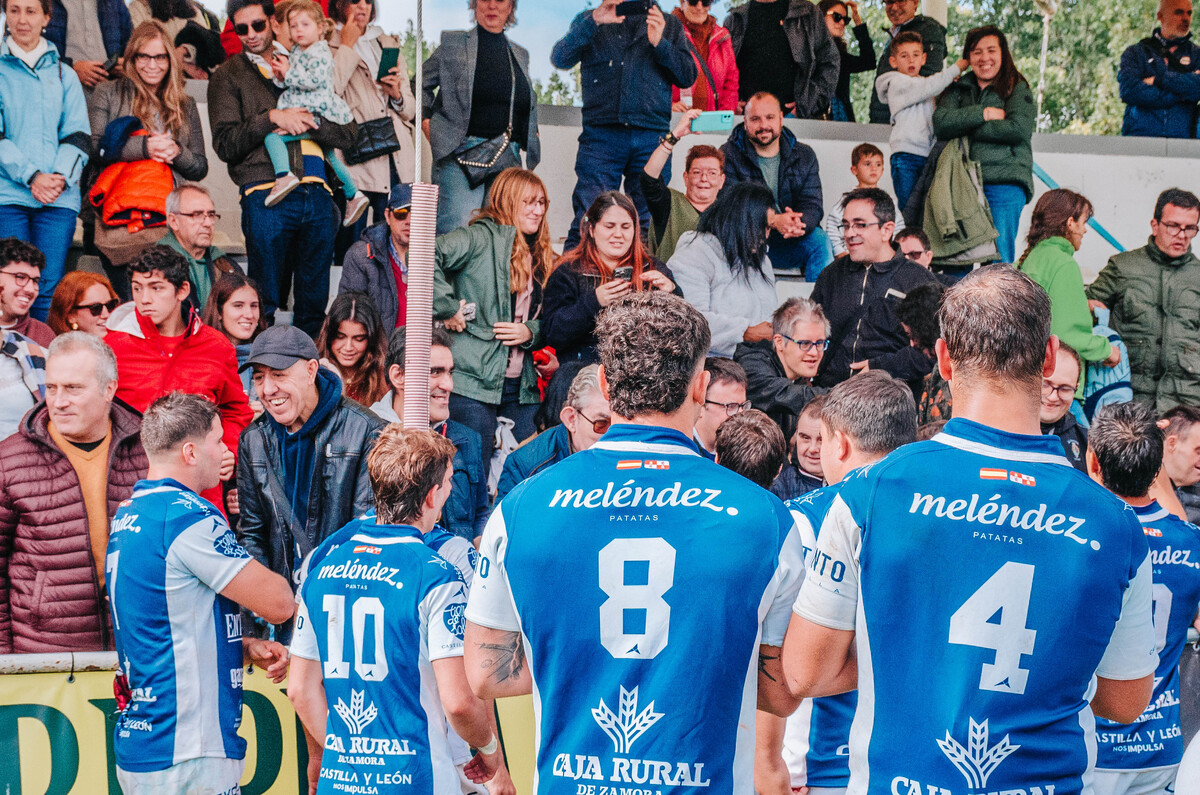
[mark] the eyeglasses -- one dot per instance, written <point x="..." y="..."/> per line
<point x="731" y="409"/>
<point x="808" y="345"/>
<point x="598" y="425"/>
<point x="711" y="173"/>
<point x="400" y="213"/>
<point x="97" y="308"/>
<point x="259" y="25"/>
<point x="705" y="3"/>
<point x="857" y="226"/>
<point x="1179" y="229"/>
<point x="838" y="18"/>
<point x="914" y="256"/>
<point x="23" y="279"/>
<point x="1064" y="392"/>
<point x="201" y="215"/>
<point x="158" y="58"/>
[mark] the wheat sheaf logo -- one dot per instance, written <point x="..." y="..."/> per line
<point x="628" y="724"/>
<point x="356" y="716"/>
<point x="977" y="762"/>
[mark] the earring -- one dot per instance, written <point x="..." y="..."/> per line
<point x="74" y="326"/>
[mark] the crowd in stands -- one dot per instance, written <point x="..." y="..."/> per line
<point x="314" y="119"/>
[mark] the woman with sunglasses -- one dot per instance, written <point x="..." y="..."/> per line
<point x="152" y="91"/>
<point x="716" y="86"/>
<point x="836" y="17"/>
<point x="82" y="302"/>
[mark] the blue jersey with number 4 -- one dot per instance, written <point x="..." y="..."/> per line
<point x="1155" y="739"/>
<point x="376" y="609"/>
<point x="988" y="583"/>
<point x="643" y="578"/>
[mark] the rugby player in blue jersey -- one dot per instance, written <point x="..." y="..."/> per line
<point x="986" y="597"/>
<point x="1125" y="455"/>
<point x="862" y="420"/>
<point x="377" y="664"/>
<point x="639" y="590"/>
<point x="176" y="575"/>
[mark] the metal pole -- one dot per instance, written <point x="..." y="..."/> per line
<point x="1047" y="7"/>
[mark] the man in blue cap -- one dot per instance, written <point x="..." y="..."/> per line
<point x="378" y="263"/>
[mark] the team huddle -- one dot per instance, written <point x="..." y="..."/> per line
<point x="964" y="614"/>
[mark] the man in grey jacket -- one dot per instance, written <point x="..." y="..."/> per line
<point x="377" y="265"/>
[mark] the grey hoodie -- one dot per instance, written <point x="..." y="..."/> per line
<point x="910" y="101"/>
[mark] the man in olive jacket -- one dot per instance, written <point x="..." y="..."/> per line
<point x="1154" y="296"/>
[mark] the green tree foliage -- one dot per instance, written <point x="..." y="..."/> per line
<point x="408" y="48"/>
<point x="557" y="91"/>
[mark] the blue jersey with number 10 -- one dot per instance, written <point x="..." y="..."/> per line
<point x="988" y="583"/>
<point x="643" y="578"/>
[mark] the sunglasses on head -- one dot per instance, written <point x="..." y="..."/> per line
<point x="836" y="17"/>
<point x="259" y="25"/>
<point x="97" y="308"/>
<point x="400" y="213"/>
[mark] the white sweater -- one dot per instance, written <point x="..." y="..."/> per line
<point x="910" y="100"/>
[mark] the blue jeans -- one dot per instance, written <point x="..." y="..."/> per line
<point x="810" y="253"/>
<point x="50" y="230"/>
<point x="481" y="417"/>
<point x="838" y="110"/>
<point x="906" y="169"/>
<point x="1006" y="202"/>
<point x="347" y="236"/>
<point x="457" y="200"/>
<point x="606" y="154"/>
<point x="292" y="243"/>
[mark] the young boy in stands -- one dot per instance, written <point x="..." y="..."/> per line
<point x="866" y="164"/>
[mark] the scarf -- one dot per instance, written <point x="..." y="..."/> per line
<point x="700" y="35"/>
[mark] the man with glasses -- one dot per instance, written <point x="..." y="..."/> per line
<point x="672" y="213"/>
<point x="1058" y="393"/>
<point x="780" y="371"/>
<point x="904" y="17"/>
<point x="20" y="277"/>
<point x="1153" y="293"/>
<point x="726" y="397"/>
<point x="191" y="217"/>
<point x="291" y="242"/>
<point x="378" y="263"/>
<point x="872" y="274"/>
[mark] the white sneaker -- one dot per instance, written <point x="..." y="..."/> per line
<point x="283" y="186"/>
<point x="355" y="208"/>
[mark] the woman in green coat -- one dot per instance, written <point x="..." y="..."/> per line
<point x="1056" y="231"/>
<point x="487" y="288"/>
<point x="993" y="107"/>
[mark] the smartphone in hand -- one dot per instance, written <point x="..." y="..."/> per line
<point x="388" y="61"/>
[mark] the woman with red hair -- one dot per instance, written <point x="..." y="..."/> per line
<point x="82" y="302"/>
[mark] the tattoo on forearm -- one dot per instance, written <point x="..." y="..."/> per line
<point x="504" y="660"/>
<point x="763" y="659"/>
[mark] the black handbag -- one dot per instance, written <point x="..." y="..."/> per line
<point x="376" y="138"/>
<point x="485" y="160"/>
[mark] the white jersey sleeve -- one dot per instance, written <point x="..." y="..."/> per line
<point x="460" y="553"/>
<point x="304" y="639"/>
<point x="442" y="620"/>
<point x="491" y="602"/>
<point x="786" y="584"/>
<point x="210" y="551"/>
<point x="1131" y="651"/>
<point x="829" y="595"/>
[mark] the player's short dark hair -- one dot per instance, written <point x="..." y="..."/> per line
<point x="752" y="445"/>
<point x="651" y="345"/>
<point x="881" y="203"/>
<point x="724" y="371"/>
<point x="403" y="465"/>
<point x="918" y="310"/>
<point x="912" y="232"/>
<point x="397" y="344"/>
<point x="906" y="37"/>
<point x="161" y="259"/>
<point x="1180" y="420"/>
<point x="234" y="6"/>
<point x="875" y="410"/>
<point x="1183" y="199"/>
<point x="864" y="150"/>
<point x="996" y="323"/>
<point x="1128" y="444"/>
<point x="176" y="418"/>
<point x="13" y="251"/>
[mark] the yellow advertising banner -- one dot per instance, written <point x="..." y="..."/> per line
<point x="56" y="734"/>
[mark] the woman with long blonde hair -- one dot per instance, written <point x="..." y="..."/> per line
<point x="504" y="251"/>
<point x="151" y="90"/>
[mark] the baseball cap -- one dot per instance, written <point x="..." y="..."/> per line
<point x="401" y="196"/>
<point x="279" y="347"/>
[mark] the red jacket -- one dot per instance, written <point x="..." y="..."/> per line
<point x="722" y="64"/>
<point x="205" y="364"/>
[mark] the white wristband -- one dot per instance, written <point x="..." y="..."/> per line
<point x="490" y="748"/>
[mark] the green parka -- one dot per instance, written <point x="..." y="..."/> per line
<point x="1052" y="264"/>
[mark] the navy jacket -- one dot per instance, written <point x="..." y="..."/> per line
<point x="626" y="82"/>
<point x="799" y="176"/>
<point x="115" y="27"/>
<point x="1166" y="109"/>
<point x="466" y="510"/>
<point x="547" y="448"/>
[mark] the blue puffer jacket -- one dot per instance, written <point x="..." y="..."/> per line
<point x="43" y="127"/>
<point x="625" y="80"/>
<point x="1166" y="109"/>
<point x="115" y="26"/>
